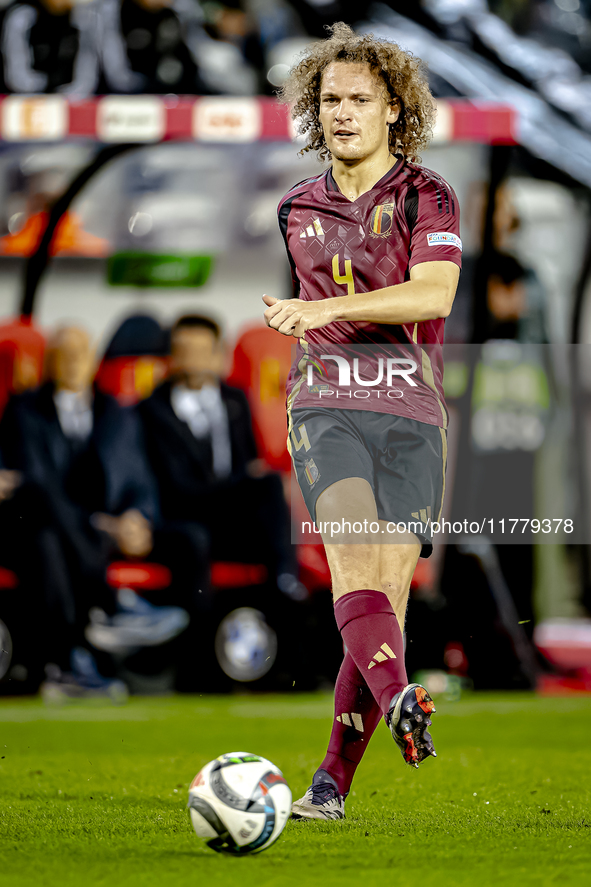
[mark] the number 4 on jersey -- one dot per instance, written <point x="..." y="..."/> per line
<point x="347" y="277"/>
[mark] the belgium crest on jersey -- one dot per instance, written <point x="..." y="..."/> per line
<point x="381" y="219"/>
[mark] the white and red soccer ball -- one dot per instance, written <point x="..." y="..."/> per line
<point x="239" y="803"/>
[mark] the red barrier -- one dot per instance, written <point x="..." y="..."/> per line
<point x="215" y="119"/>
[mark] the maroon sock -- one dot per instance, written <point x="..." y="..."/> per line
<point x="357" y="715"/>
<point x="372" y="636"/>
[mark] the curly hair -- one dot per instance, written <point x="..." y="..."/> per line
<point x="400" y="71"/>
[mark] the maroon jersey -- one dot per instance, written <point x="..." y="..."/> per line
<point x="337" y="247"/>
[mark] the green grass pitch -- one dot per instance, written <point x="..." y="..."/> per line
<point x="96" y="795"/>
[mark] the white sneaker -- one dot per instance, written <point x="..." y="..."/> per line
<point x="83" y="681"/>
<point x="321" y="801"/>
<point x="136" y="624"/>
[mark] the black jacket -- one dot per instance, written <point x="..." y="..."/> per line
<point x="182" y="463"/>
<point x="115" y="474"/>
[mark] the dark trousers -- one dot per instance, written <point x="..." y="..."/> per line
<point x="247" y="520"/>
<point x="37" y="612"/>
<point x="61" y="565"/>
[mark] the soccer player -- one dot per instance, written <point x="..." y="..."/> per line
<point x="373" y="243"/>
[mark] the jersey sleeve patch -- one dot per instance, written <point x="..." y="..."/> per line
<point x="446" y="238"/>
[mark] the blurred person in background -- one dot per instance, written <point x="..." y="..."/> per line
<point x="513" y="301"/>
<point x="201" y="446"/>
<point x="561" y="23"/>
<point x="50" y="46"/>
<point x="317" y="15"/>
<point x="235" y="28"/>
<point x="505" y="468"/>
<point x="505" y="423"/>
<point x="10" y="483"/>
<point x="151" y="46"/>
<point x="514" y="306"/>
<point x="10" y="613"/>
<point x="81" y="456"/>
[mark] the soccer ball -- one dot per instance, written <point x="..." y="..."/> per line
<point x="239" y="803"/>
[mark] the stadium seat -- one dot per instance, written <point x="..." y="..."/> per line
<point x="142" y="576"/>
<point x="566" y="645"/>
<point x="8" y="579"/>
<point x="424" y="575"/>
<point x="260" y="366"/>
<point x="130" y="379"/>
<point x="227" y="574"/>
<point x="138" y="575"/>
<point x="22" y="348"/>
<point x="70" y="238"/>
<point x="135" y="360"/>
<point x="314" y="571"/>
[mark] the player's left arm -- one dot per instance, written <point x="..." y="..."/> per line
<point x="428" y="295"/>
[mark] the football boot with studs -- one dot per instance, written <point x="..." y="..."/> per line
<point x="408" y="719"/>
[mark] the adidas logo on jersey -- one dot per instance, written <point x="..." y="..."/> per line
<point x="380" y="656"/>
<point x="315" y="229"/>
<point x="351" y="720"/>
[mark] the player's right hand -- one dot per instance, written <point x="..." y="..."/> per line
<point x="292" y="317"/>
<point x="268" y="315"/>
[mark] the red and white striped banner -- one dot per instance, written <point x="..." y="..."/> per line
<point x="220" y="119"/>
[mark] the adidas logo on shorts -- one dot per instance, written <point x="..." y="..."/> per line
<point x="424" y="515"/>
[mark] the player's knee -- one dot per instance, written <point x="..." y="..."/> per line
<point x="393" y="588"/>
<point x="344" y="581"/>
